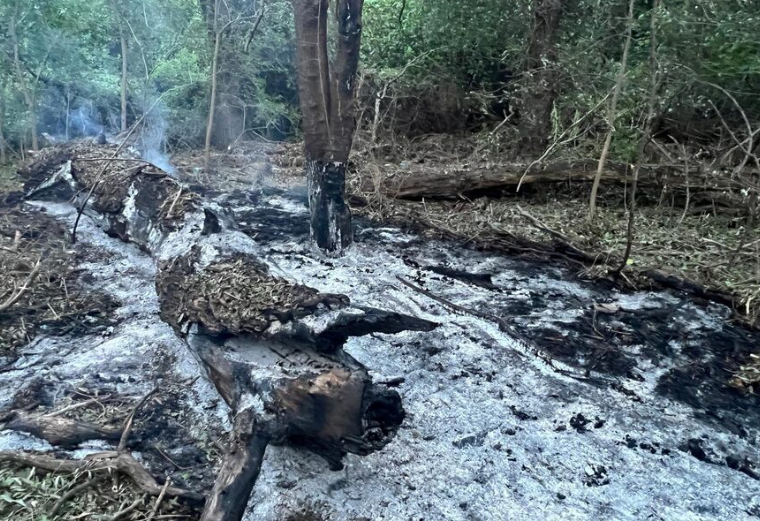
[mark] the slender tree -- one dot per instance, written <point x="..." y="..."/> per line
<point x="217" y="32"/>
<point x="3" y="153"/>
<point x="328" y="110"/>
<point x="646" y="134"/>
<point x="118" y="19"/>
<point x="218" y="27"/>
<point x="612" y="113"/>
<point x="539" y="85"/>
<point x="26" y="89"/>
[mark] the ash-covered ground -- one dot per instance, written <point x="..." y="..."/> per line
<point x="620" y="413"/>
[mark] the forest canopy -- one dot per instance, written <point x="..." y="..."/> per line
<point x="444" y="66"/>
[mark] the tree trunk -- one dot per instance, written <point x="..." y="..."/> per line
<point x="540" y="78"/>
<point x="646" y="135"/>
<point x="68" y="112"/>
<point x="3" y="153"/>
<point x="29" y="97"/>
<point x="612" y="113"/>
<point x="212" y="100"/>
<point x="117" y="18"/>
<point x="123" y="81"/>
<point x="330" y="215"/>
<point x="328" y="111"/>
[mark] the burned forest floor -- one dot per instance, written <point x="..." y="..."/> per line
<point x="547" y="391"/>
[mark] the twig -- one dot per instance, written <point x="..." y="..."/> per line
<point x="566" y="242"/>
<point x="167" y="458"/>
<point x="252" y="34"/>
<point x="71" y="407"/>
<point x="159" y="500"/>
<point x="503" y="326"/>
<point x="27" y="284"/>
<point x="174" y="202"/>
<point x="559" y="141"/>
<point x="103" y="462"/>
<point x="121" y="514"/>
<point x="130" y="421"/>
<point x="71" y="493"/>
<point x="112" y="159"/>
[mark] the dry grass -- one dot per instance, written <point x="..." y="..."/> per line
<point x="52" y="299"/>
<point x="711" y="250"/>
<point x="704" y="248"/>
<point x="8" y="179"/>
<point x="30" y="495"/>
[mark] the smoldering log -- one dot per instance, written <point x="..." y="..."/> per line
<point x="419" y="181"/>
<point x="273" y="349"/>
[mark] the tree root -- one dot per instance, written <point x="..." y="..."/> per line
<point x="102" y="462"/>
<point x="59" y="430"/>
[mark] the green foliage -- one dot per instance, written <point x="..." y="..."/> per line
<point x="462" y="57"/>
<point x="474" y="42"/>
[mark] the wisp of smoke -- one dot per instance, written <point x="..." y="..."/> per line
<point x="82" y="123"/>
<point x="153" y="139"/>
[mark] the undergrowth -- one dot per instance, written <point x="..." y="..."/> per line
<point x="9" y="181"/>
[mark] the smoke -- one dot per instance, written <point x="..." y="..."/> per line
<point x="82" y="121"/>
<point x="153" y="138"/>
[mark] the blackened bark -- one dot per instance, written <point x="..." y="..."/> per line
<point x="328" y="110"/>
<point x="314" y="396"/>
<point x="240" y="470"/>
<point x="539" y="86"/>
<point x="330" y="215"/>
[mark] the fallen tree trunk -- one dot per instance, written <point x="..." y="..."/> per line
<point x="272" y="349"/>
<point x="421" y="181"/>
<point x="59" y="430"/>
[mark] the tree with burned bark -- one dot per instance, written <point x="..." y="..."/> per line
<point x="538" y="88"/>
<point x="327" y="89"/>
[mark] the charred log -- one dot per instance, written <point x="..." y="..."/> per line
<point x="239" y="472"/>
<point x="273" y="349"/>
<point x="138" y="202"/>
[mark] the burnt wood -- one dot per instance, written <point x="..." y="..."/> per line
<point x="273" y="349"/>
